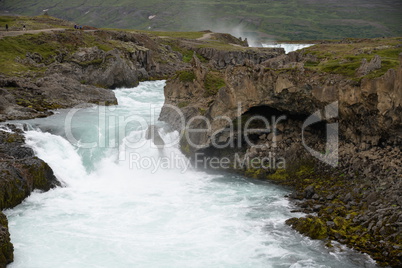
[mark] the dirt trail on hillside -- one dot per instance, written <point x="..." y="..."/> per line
<point x="206" y="36"/>
<point x="16" y="33"/>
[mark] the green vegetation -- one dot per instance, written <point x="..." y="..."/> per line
<point x="13" y="48"/>
<point x="6" y="248"/>
<point x="185" y="52"/>
<point x="92" y="62"/>
<point x="15" y="137"/>
<point x="186" y="35"/>
<point x="345" y="59"/>
<point x="182" y="104"/>
<point x="222" y="46"/>
<point x="311" y="226"/>
<point x="185" y="147"/>
<point x="46" y="47"/>
<point x="213" y="82"/>
<point x="15" y="23"/>
<point x="280" y="20"/>
<point x="37" y="103"/>
<point x="186" y="75"/>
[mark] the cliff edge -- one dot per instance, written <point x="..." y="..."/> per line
<point x="326" y="120"/>
<point x="21" y="172"/>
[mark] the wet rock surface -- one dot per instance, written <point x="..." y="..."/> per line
<point x="6" y="248"/>
<point x="21" y="172"/>
<point x="368" y="111"/>
<point x="356" y="203"/>
<point x="355" y="200"/>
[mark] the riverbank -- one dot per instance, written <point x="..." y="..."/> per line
<point x="356" y="203"/>
<point x="329" y="115"/>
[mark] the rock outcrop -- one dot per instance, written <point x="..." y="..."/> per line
<point x="6" y="248"/>
<point x="82" y="68"/>
<point x="368" y="111"/>
<point x="368" y="67"/>
<point x="94" y="66"/>
<point x="23" y="98"/>
<point x="221" y="59"/>
<point x="21" y="172"/>
<point x="153" y="134"/>
<point x="353" y="198"/>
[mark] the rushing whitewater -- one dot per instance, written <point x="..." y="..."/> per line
<point x="117" y="210"/>
<point x="288" y="47"/>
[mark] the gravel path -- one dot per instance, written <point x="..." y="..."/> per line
<point x="16" y="33"/>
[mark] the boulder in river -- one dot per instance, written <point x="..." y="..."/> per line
<point x="153" y="134"/>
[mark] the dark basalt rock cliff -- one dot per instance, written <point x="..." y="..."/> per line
<point x="21" y="172"/>
<point x="369" y="111"/>
<point x="354" y="199"/>
<point x="221" y="59"/>
<point x="6" y="248"/>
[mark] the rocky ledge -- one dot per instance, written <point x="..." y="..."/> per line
<point x="21" y="172"/>
<point x="61" y="69"/>
<point x="25" y="98"/>
<point x="330" y="128"/>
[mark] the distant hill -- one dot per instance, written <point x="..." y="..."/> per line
<point x="266" y="19"/>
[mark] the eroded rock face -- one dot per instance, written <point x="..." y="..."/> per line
<point x="357" y="201"/>
<point x="83" y="74"/>
<point x="20" y="173"/>
<point x="222" y="58"/>
<point x="111" y="69"/>
<point x="368" y="67"/>
<point x="6" y="248"/>
<point x="368" y="112"/>
<point x="153" y="134"/>
<point x="24" y="98"/>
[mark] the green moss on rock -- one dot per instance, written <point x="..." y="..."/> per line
<point x="6" y="248"/>
<point x="213" y="82"/>
<point x="182" y="104"/>
<point x="256" y="173"/>
<point x="311" y="226"/>
<point x="186" y="76"/>
<point x="185" y="146"/>
<point x="279" y="175"/>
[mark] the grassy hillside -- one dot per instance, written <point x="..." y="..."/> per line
<point x="15" y="23"/>
<point x="285" y="20"/>
<point x="346" y="58"/>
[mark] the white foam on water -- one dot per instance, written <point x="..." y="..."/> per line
<point x="288" y="47"/>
